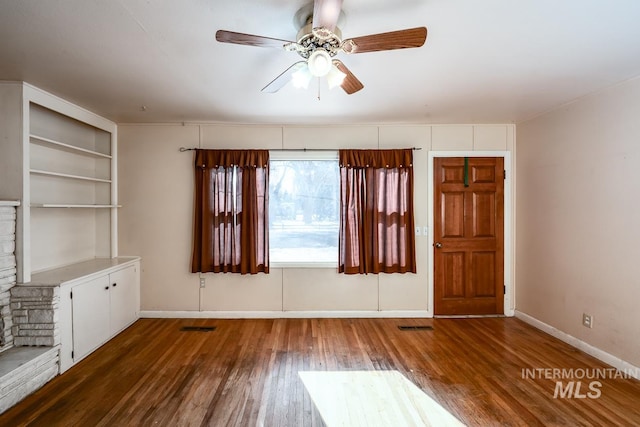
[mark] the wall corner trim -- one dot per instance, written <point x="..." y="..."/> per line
<point x="599" y="354"/>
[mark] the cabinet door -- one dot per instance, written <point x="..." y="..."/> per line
<point x="90" y="316"/>
<point x="65" y="322"/>
<point x="124" y="298"/>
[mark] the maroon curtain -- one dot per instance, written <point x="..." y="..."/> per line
<point x="376" y="212"/>
<point x="231" y="227"/>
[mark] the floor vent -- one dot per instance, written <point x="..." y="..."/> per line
<point x="198" y="328"/>
<point x="415" y="328"/>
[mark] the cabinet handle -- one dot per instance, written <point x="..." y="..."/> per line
<point x="106" y="288"/>
<point x="114" y="285"/>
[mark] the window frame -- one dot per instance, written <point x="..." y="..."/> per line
<point x="306" y="155"/>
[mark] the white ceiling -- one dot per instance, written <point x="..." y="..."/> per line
<point x="485" y="61"/>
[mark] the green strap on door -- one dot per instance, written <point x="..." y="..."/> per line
<point x="466" y="171"/>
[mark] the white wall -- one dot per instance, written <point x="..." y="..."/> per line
<point x="156" y="191"/>
<point x="578" y="212"/>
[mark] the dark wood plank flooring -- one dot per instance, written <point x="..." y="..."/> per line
<point x="245" y="373"/>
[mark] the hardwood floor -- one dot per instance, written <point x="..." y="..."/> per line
<point x="316" y="372"/>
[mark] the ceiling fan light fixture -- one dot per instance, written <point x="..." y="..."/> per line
<point x="301" y="78"/>
<point x="319" y="63"/>
<point x="335" y="77"/>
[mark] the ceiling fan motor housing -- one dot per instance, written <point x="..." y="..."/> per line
<point x="309" y="42"/>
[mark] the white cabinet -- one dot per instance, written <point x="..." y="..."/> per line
<point x="102" y="308"/>
<point x="98" y="299"/>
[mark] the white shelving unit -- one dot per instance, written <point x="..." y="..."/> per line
<point x="60" y="161"/>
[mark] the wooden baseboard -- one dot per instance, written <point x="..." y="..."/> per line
<point x="283" y="314"/>
<point x="599" y="354"/>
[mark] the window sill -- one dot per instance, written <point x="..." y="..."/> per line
<point x="325" y="265"/>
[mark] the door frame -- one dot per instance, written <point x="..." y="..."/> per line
<point x="509" y="231"/>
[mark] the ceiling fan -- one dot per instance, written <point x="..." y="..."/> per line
<point x="319" y="41"/>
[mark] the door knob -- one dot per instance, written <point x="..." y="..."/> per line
<point x="438" y="245"/>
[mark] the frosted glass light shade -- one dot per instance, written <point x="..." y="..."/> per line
<point x="301" y="78"/>
<point x="335" y="77"/>
<point x="319" y="63"/>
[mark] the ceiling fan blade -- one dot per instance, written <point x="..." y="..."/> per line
<point x="284" y="78"/>
<point x="350" y="84"/>
<point x="413" y="37"/>
<point x="224" y="36"/>
<point x="326" y="13"/>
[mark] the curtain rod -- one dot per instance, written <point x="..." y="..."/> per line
<point x="183" y="149"/>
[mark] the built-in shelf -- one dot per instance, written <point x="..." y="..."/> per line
<point x="65" y="175"/>
<point x="59" y="160"/>
<point x="78" y="206"/>
<point x="67" y="147"/>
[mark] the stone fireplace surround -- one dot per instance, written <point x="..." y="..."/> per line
<point x="29" y="342"/>
<point x="7" y="272"/>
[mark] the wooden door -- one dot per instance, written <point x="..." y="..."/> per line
<point x="468" y="236"/>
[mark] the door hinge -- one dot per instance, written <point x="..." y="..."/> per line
<point x="504" y="289"/>
<point x="71" y="295"/>
<point x="505" y="173"/>
<point x="72" y="354"/>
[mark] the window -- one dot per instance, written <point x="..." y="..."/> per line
<point x="304" y="208"/>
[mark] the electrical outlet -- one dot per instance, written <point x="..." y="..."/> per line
<point x="202" y="282"/>
<point x="417" y="231"/>
<point x="587" y="320"/>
